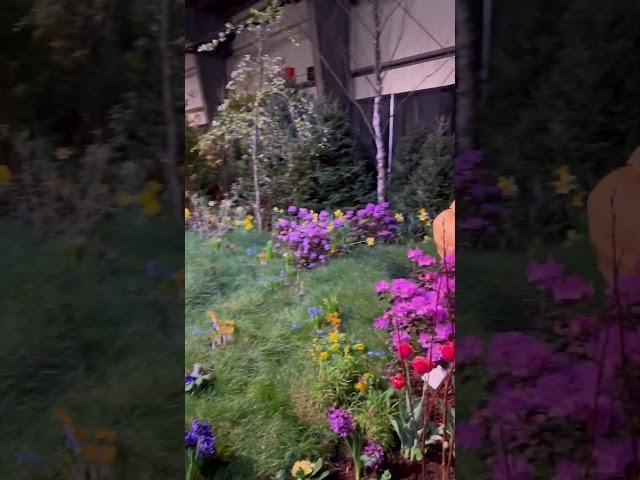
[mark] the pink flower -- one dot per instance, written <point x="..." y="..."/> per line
<point x="425" y="261"/>
<point x="414" y="253"/>
<point x="382" y="287"/>
<point x="544" y="274"/>
<point x="572" y="288"/>
<point x="402" y="287"/>
<point x="404" y="350"/>
<point x="448" y="351"/>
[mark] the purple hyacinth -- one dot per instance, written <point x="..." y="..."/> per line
<point x="374" y="455"/>
<point x="340" y="421"/>
<point x="188" y="379"/>
<point x="200" y="437"/>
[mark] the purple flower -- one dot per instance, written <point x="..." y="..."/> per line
<point x="340" y="421"/>
<point x="470" y="350"/>
<point x="188" y="379"/>
<point x="206" y="446"/>
<point x="313" y="312"/>
<point x="190" y="439"/>
<point x="469" y="435"/>
<point x="374" y="454"/>
<point x="292" y="210"/>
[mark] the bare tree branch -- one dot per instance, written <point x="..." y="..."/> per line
<point x="400" y="37"/>
<point x="417" y="22"/>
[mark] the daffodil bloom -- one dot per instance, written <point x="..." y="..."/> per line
<point x="572" y="238"/>
<point x="302" y="465"/>
<point x="399" y="217"/>
<point x="187" y="213"/>
<point x="338" y="214"/>
<point x="361" y="386"/>
<point x="508" y="186"/>
<point x="324" y="356"/>
<point x="423" y="216"/>
<point x="333" y="336"/>
<point x="334" y="319"/>
<point x="335" y="347"/>
<point x="359" y="346"/>
<point x="371" y="241"/>
<point x="576" y="199"/>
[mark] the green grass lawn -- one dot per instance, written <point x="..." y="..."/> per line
<point x="259" y="402"/>
<point x="84" y="327"/>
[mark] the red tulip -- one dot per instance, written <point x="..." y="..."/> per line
<point x="397" y="381"/>
<point x="448" y="351"/>
<point x="422" y="365"/>
<point x="404" y="350"/>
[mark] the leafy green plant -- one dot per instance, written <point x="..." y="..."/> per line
<point x="423" y="171"/>
<point x="294" y="469"/>
<point x="404" y="425"/>
<point x="372" y="415"/>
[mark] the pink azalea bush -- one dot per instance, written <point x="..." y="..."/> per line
<point x="563" y="394"/>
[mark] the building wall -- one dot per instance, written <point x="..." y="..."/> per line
<point x="404" y="36"/>
<point x="195" y="105"/>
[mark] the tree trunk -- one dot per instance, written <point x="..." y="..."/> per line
<point x="381" y="153"/>
<point x="465" y="85"/>
<point x="255" y="142"/>
<point x="171" y="153"/>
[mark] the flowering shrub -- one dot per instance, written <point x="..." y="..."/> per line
<point x="560" y="400"/>
<point x="308" y="236"/>
<point x="421" y="326"/>
<point x="209" y="218"/>
<point x="200" y="444"/>
<point x="373" y="221"/>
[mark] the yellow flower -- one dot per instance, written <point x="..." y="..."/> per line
<point x="371" y="241"/>
<point x="5" y="175"/>
<point x="361" y="386"/>
<point x="572" y="238"/>
<point x="368" y="375"/>
<point x="315" y="217"/>
<point x="359" y="346"/>
<point x="124" y="200"/>
<point x="508" y="186"/>
<point x="333" y="336"/>
<point x="423" y="216"/>
<point x="335" y="347"/>
<point x="187" y="213"/>
<point x="577" y="199"/>
<point x="330" y="228"/>
<point x="324" y="356"/>
<point x="262" y="257"/>
<point x="338" y="214"/>
<point x="152" y="208"/>
<point x="399" y="217"/>
<point x="334" y="319"/>
<point x="565" y="183"/>
<point x="305" y="465"/>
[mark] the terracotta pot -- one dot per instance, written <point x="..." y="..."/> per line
<point x="444" y="231"/>
<point x="616" y="200"/>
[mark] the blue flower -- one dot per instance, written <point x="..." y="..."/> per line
<point x="376" y="353"/>
<point x="196" y="331"/>
<point x="190" y="439"/>
<point x="250" y="252"/>
<point x="296" y="326"/>
<point x="188" y="379"/>
<point x="313" y="312"/>
<point x="206" y="446"/>
<point x="282" y="273"/>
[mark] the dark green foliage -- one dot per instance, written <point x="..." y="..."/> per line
<point x="563" y="89"/>
<point x="422" y="175"/>
<point x="330" y="174"/>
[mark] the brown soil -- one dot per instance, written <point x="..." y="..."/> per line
<point x="399" y="468"/>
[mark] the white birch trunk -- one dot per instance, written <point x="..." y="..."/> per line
<point x="376" y="121"/>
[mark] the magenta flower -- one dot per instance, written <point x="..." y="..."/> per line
<point x="340" y="421"/>
<point x="544" y="274"/>
<point x="572" y="288"/>
<point x="382" y="287"/>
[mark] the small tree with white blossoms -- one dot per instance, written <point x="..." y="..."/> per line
<point x="254" y="83"/>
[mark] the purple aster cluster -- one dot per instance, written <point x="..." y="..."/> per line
<point x="200" y="438"/>
<point x="421" y="307"/>
<point x="340" y="421"/>
<point x="374" y="455"/>
<point x="307" y="235"/>
<point x="374" y="221"/>
<point x="480" y="198"/>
